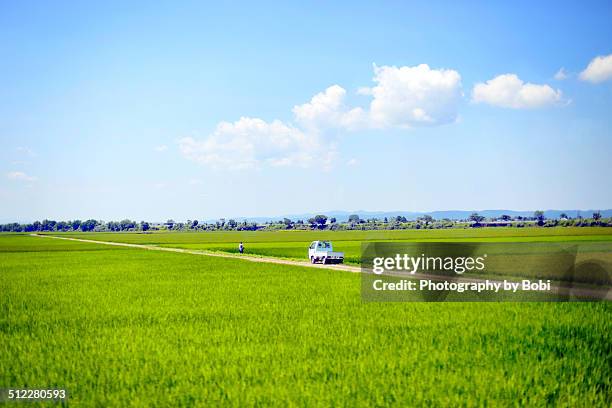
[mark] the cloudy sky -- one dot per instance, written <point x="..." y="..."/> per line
<point x="202" y="111"/>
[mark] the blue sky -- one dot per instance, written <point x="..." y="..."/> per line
<point x="193" y="110"/>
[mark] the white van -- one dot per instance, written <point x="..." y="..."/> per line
<point x="323" y="251"/>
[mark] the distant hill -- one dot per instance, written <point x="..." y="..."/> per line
<point x="342" y="216"/>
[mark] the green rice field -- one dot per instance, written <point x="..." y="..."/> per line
<point x="294" y="244"/>
<point x="119" y="326"/>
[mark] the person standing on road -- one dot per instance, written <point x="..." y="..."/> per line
<point x="241" y="248"/>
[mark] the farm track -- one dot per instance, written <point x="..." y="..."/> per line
<point x="347" y="268"/>
<point x="603" y="294"/>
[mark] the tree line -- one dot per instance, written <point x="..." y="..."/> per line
<point x="51" y="225"/>
<point x="320" y="222"/>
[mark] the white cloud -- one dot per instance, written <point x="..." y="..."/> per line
<point x="561" y="74"/>
<point x="20" y="176"/>
<point x="352" y="162"/>
<point x="598" y="70"/>
<point x="509" y="91"/>
<point x="326" y="109"/>
<point x="402" y="97"/>
<point x="161" y="148"/>
<point x="414" y="96"/>
<point x="252" y="142"/>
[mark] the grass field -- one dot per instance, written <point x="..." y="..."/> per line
<point x="118" y="326"/>
<point x="594" y="243"/>
<point x="294" y="244"/>
<point x="558" y="233"/>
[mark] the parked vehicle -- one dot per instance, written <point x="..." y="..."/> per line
<point x="323" y="251"/>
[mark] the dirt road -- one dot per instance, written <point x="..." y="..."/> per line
<point x="250" y="258"/>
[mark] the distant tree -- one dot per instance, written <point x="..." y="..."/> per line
<point x="88" y="225"/>
<point x="144" y="226"/>
<point x="539" y="217"/>
<point x="401" y="218"/>
<point x="232" y="224"/>
<point x="15" y="227"/>
<point x="386" y="220"/>
<point x="354" y="218"/>
<point x="426" y="219"/>
<point x="476" y="218"/>
<point x="332" y="220"/>
<point x="320" y="219"/>
<point x="126" y="225"/>
<point x="75" y="224"/>
<point x="170" y="223"/>
<point x="563" y="216"/>
<point x="505" y="217"/>
<point x="597" y="216"/>
<point x="194" y="224"/>
<point x="48" y="225"/>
